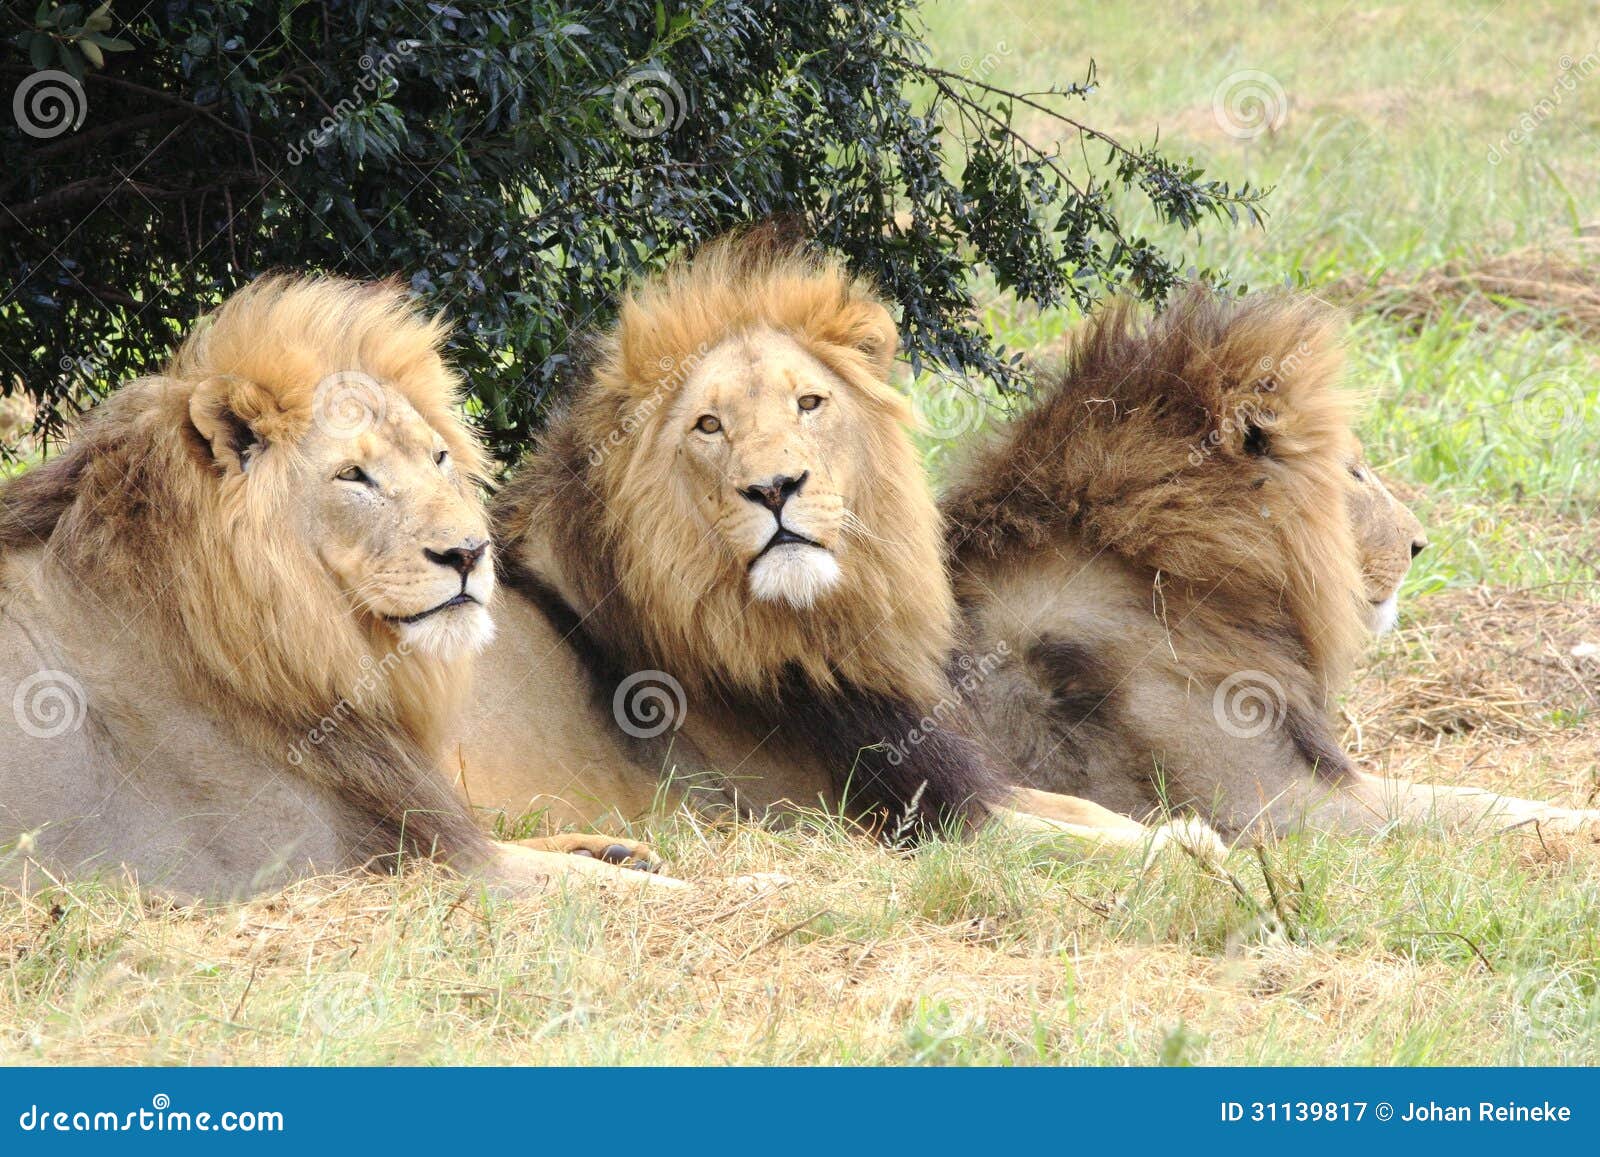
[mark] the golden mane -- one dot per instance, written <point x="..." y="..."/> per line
<point x="201" y="566"/>
<point x="1210" y="447"/>
<point x="601" y="482"/>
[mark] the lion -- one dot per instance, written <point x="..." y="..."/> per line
<point x="726" y="573"/>
<point x="238" y="612"/>
<point x="725" y="570"/>
<point x="1182" y="545"/>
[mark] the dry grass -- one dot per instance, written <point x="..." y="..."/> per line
<point x="1413" y="949"/>
<point x="1536" y="286"/>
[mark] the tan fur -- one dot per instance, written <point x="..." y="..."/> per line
<point x="642" y="523"/>
<point x="220" y="614"/>
<point x="1183" y="547"/>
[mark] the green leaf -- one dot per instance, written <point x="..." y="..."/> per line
<point x="71" y="62"/>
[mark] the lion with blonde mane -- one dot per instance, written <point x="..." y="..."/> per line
<point x="238" y="612"/>
<point x="726" y="568"/>
<point x="1183" y="547"/>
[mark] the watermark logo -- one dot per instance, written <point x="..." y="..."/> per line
<point x="48" y="104"/>
<point x="947" y="408"/>
<point x="968" y="674"/>
<point x="1248" y="704"/>
<point x="1248" y="104"/>
<point x="1552" y="1002"/>
<point x="672" y="373"/>
<point x="49" y="704"/>
<point x="1544" y="404"/>
<point x="649" y="703"/>
<point x="376" y="76"/>
<point x="981" y="67"/>
<point x="348" y="403"/>
<point x="340" y="1004"/>
<point x="374" y="674"/>
<point x="648" y="103"/>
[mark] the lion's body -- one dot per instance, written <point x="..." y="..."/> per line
<point x="1182" y="547"/>
<point x="238" y="611"/>
<point x="729" y="515"/>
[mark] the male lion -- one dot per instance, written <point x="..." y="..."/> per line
<point x="237" y="613"/>
<point x="1180" y="543"/>
<point x="726" y="564"/>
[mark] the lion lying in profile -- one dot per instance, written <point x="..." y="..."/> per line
<point x="237" y="613"/>
<point x="1182" y="546"/>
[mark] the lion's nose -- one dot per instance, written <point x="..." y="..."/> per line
<point x="463" y="559"/>
<point x="775" y="493"/>
<point x="1418" y="545"/>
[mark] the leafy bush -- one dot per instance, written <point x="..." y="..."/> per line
<point x="518" y="163"/>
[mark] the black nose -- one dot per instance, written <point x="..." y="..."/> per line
<point x="1418" y="546"/>
<point x="462" y="559"/>
<point x="774" y="494"/>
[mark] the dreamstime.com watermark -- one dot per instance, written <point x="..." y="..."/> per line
<point x="649" y="703"/>
<point x="1249" y="104"/>
<point x="969" y="673"/>
<point x="49" y="103"/>
<point x="981" y="67"/>
<point x="1248" y="704"/>
<point x="376" y="74"/>
<point x="160" y="1117"/>
<point x="947" y="407"/>
<point x="49" y="704"/>
<point x="649" y="102"/>
<point x="673" y="373"/>
<point x="1253" y="412"/>
<point x="373" y="674"/>
<point x="1569" y="73"/>
<point x="348" y="403"/>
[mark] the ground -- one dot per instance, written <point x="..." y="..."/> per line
<point x="1434" y="168"/>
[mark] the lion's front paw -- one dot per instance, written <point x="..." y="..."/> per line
<point x="1192" y="835"/>
<point x="610" y="849"/>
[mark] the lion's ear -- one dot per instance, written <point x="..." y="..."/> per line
<point x="1256" y="441"/>
<point x="873" y="333"/>
<point x="228" y="416"/>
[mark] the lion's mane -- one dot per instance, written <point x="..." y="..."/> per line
<point x="135" y="512"/>
<point x="840" y="680"/>
<point x="1210" y="449"/>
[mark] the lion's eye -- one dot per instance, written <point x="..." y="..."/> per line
<point x="440" y="457"/>
<point x="1357" y="473"/>
<point x="708" y="424"/>
<point x="353" y="474"/>
<point x="809" y="402"/>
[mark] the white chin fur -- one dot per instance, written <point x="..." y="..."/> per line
<point x="450" y="634"/>
<point x="1386" y="614"/>
<point x="794" y="574"/>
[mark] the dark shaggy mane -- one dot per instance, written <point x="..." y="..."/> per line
<point x="888" y="767"/>
<point x="907" y="771"/>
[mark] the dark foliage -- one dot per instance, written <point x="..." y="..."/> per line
<point x="517" y="163"/>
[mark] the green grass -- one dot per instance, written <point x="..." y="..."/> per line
<point x="1380" y="165"/>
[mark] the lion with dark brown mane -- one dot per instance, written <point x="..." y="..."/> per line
<point x="1181" y="543"/>
<point x="238" y="612"/>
